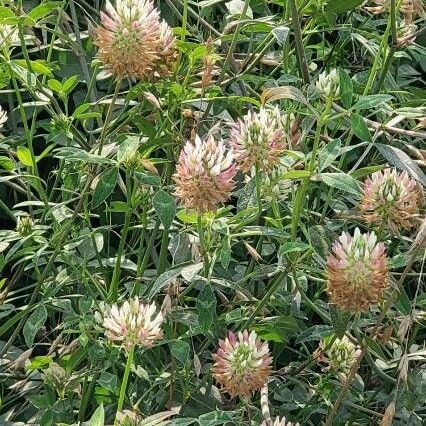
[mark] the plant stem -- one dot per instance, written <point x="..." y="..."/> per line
<point x="123" y="388"/>
<point x="202" y="244"/>
<point x="113" y="293"/>
<point x="108" y="115"/>
<point x="301" y="192"/>
<point x="304" y="71"/>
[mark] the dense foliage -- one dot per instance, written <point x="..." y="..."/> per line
<point x="212" y="212"/>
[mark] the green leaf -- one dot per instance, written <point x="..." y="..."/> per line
<point x="371" y="101"/>
<point x="108" y="381"/>
<point x="165" y="207"/>
<point x="105" y="186"/>
<point x="365" y="171"/>
<point x="293" y="246"/>
<point x="80" y="110"/>
<point x="148" y="178"/>
<point x="6" y="13"/>
<point x="329" y="153"/>
<point x="127" y="149"/>
<point x="43" y="10"/>
<point x="341" y="181"/>
<point x="180" y="350"/>
<point x="98" y="418"/>
<point x="187" y="216"/>
<point x="402" y="161"/>
<point x="281" y="33"/>
<point x="6" y="163"/>
<point x="296" y="174"/>
<point x="214" y="418"/>
<point x="69" y="84"/>
<point x="359" y="128"/>
<point x="316" y="332"/>
<point x="37" y="67"/>
<point x="339" y="320"/>
<point x="164" y="279"/>
<point x="346" y="89"/>
<point x="339" y="6"/>
<point x="225" y="253"/>
<point x="206" y="307"/>
<point x="277" y="330"/>
<point x="55" y="85"/>
<point x="33" y="324"/>
<point x="318" y="239"/>
<point x="24" y="155"/>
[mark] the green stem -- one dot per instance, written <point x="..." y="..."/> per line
<point x="123" y="388"/>
<point x="301" y="192"/>
<point x="108" y="115"/>
<point x="113" y="293"/>
<point x="304" y="71"/>
<point x="204" y="252"/>
<point x="162" y="260"/>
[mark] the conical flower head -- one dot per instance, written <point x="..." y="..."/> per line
<point x="133" y="323"/>
<point x="242" y="363"/>
<point x="279" y="421"/>
<point x="340" y="355"/>
<point x="328" y="83"/>
<point x="258" y="140"/>
<point x="357" y="271"/>
<point x="132" y="40"/>
<point x="390" y="199"/>
<point x="204" y="174"/>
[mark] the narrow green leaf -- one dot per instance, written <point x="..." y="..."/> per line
<point x="402" y="161"/>
<point x="98" y="417"/>
<point x="206" y="307"/>
<point x="105" y="186"/>
<point x="42" y="10"/>
<point x="359" y="128"/>
<point x="33" y="324"/>
<point x="371" y="101"/>
<point x="341" y="181"/>
<point x="346" y="89"/>
<point x="165" y="207"/>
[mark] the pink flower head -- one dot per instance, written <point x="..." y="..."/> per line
<point x="391" y="199"/>
<point x="133" y="323"/>
<point x="204" y="174"/>
<point x="357" y="271"/>
<point x="258" y="140"/>
<point x="242" y="363"/>
<point x="132" y="40"/>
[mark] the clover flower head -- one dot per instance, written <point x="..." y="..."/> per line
<point x="258" y="139"/>
<point x="391" y="199"/>
<point x="131" y="324"/>
<point x="328" y="83"/>
<point x="242" y="363"/>
<point x="133" y="41"/>
<point x="340" y="355"/>
<point x="357" y="271"/>
<point x="204" y="174"/>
